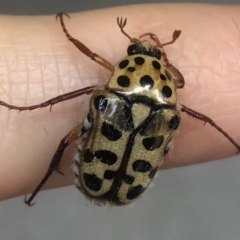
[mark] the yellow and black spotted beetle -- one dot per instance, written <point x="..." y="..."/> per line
<point x="130" y="124"/>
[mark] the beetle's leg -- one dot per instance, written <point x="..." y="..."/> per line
<point x="51" y="102"/>
<point x="206" y="119"/>
<point x="84" y="49"/>
<point x="175" y="36"/>
<point x="176" y="75"/>
<point x="54" y="164"/>
<point x="122" y="23"/>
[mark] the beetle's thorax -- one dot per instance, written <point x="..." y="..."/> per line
<point x="145" y="76"/>
<point x="145" y="48"/>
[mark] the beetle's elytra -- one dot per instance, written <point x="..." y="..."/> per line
<point x="130" y="124"/>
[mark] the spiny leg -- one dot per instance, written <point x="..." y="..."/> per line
<point x="206" y="119"/>
<point x="177" y="76"/>
<point x="51" y="102"/>
<point x="175" y="36"/>
<point x="54" y="164"/>
<point x="84" y="49"/>
<point x="122" y="23"/>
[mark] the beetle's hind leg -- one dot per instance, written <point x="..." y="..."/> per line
<point x="54" y="164"/>
<point x="206" y="119"/>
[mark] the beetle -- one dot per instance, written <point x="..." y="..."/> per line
<point x="130" y="123"/>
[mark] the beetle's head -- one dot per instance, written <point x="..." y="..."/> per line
<point x="144" y="47"/>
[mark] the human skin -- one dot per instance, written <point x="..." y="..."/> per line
<point x="39" y="63"/>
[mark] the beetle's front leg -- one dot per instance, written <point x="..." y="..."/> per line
<point x="83" y="48"/>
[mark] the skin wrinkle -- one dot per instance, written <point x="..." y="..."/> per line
<point x="41" y="75"/>
<point x="37" y="61"/>
<point x="60" y="84"/>
<point x="7" y="72"/>
<point x="235" y="49"/>
<point x="78" y="69"/>
<point x="62" y="74"/>
<point x="185" y="54"/>
<point x="28" y="79"/>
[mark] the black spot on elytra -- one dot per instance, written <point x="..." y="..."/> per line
<point x="123" y="81"/>
<point x="156" y="64"/>
<point x="134" y="192"/>
<point x="163" y="77"/>
<point x="174" y="122"/>
<point x="153" y="173"/>
<point x="123" y="64"/>
<point x="153" y="142"/>
<point x="168" y="74"/>
<point x="131" y="69"/>
<point x="109" y="174"/>
<point x="139" y="60"/>
<point x="88" y="156"/>
<point x="146" y="82"/>
<point x="128" y="179"/>
<point x="141" y="166"/>
<point x="106" y="156"/>
<point x="166" y="92"/>
<point x="100" y="103"/>
<point x="92" y="182"/>
<point x="110" y="132"/>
